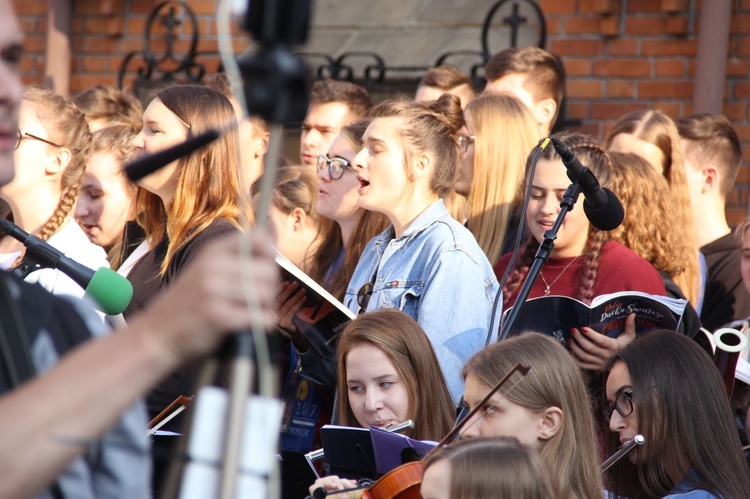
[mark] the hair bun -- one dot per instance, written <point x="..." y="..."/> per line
<point x="448" y="109"/>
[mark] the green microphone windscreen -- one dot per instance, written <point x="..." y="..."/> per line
<point x="110" y="291"/>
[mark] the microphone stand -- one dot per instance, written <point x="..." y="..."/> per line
<point x="542" y="255"/>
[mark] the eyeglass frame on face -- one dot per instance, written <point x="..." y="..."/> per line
<point x="323" y="159"/>
<point x="615" y="406"/>
<point x="463" y="142"/>
<point x="22" y="134"/>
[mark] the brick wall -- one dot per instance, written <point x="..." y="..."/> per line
<point x="620" y="55"/>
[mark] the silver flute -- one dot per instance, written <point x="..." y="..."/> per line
<point x="623" y="451"/>
<point x="393" y="428"/>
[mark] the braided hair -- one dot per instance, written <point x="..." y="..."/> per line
<point x="65" y="125"/>
<point x="592" y="154"/>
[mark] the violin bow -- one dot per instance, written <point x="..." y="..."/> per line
<point x="521" y="368"/>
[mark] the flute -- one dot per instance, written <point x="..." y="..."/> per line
<point x="623" y="451"/>
<point x="393" y="428"/>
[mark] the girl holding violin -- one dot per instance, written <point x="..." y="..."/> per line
<point x="487" y="467"/>
<point x="691" y="445"/>
<point x="388" y="374"/>
<point x="549" y="409"/>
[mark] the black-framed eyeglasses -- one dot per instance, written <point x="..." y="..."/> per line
<point x="336" y="166"/>
<point x="623" y="405"/>
<point x="363" y="296"/>
<point x="464" y="141"/>
<point x="22" y="134"/>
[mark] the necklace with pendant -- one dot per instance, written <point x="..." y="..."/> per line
<point x="549" y="285"/>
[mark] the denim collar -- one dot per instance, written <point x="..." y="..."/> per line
<point x="425" y="219"/>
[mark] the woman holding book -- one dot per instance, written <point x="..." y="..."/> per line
<point x="425" y="263"/>
<point x="583" y="263"/>
<point x="691" y="449"/>
<point x="548" y="409"/>
<point x="487" y="467"/>
<point x="343" y="231"/>
<point x="388" y="374"/>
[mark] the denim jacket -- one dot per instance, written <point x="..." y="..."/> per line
<point x="437" y="273"/>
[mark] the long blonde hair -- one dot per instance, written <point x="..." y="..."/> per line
<point x="657" y="128"/>
<point x="65" y="125"/>
<point x="208" y="182"/>
<point x="553" y="381"/>
<point x="505" y="133"/>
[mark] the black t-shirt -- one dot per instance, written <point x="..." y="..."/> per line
<point x="146" y="283"/>
<point x="725" y="299"/>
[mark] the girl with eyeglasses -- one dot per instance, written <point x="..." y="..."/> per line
<point x="666" y="388"/>
<point x="498" y="135"/>
<point x="345" y="227"/>
<point x="425" y="263"/>
<point x="52" y="147"/>
<point x="548" y="409"/>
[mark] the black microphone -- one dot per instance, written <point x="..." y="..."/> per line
<point x="149" y="164"/>
<point x="110" y="291"/>
<point x="602" y="208"/>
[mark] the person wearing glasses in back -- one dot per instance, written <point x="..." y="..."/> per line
<point x="425" y="263"/>
<point x="344" y="229"/>
<point x="52" y="147"/>
<point x="691" y="447"/>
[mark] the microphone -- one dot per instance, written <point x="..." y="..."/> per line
<point x="602" y="208"/>
<point x="149" y="164"/>
<point x="110" y="292"/>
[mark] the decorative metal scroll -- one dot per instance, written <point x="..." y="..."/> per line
<point x="377" y="72"/>
<point x="152" y="68"/>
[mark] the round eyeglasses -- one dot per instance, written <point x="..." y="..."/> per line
<point x="23" y="134"/>
<point x="336" y="166"/>
<point x="623" y="405"/>
<point x="464" y="141"/>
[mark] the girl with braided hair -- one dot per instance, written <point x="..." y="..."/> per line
<point x="52" y="147"/>
<point x="425" y="263"/>
<point x="584" y="263"/>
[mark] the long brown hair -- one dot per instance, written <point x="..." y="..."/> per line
<point x="553" y="381"/>
<point x="369" y="225"/>
<point x="688" y="425"/>
<point x="495" y="467"/>
<point x="657" y="128"/>
<point x="408" y="348"/>
<point x="505" y="132"/>
<point x="590" y="152"/>
<point x="208" y="180"/>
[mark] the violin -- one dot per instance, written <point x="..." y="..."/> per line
<point x="405" y="481"/>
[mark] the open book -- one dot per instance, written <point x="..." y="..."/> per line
<point x="556" y="315"/>
<point x="322" y="317"/>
